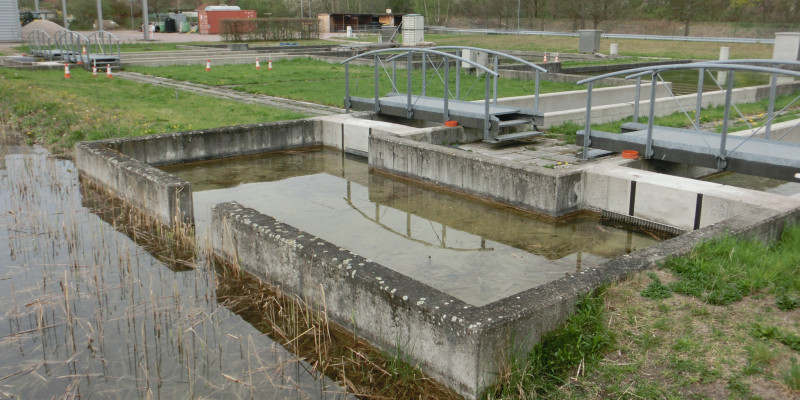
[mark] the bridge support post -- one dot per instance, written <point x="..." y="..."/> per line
<point x="773" y="82"/>
<point x="536" y="91"/>
<point x="394" y="76"/>
<point x="377" y="87"/>
<point x="699" y="106"/>
<point x="347" y="103"/>
<point x="424" y="74"/>
<point x="496" y="66"/>
<point x="486" y="122"/>
<point x="458" y="75"/>
<point x="648" y="152"/>
<point x="587" y="126"/>
<point x="409" y="112"/>
<point x="446" y="111"/>
<point x="721" y="162"/>
<point x="637" y="99"/>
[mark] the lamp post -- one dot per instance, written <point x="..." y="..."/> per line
<point x="518" y="8"/>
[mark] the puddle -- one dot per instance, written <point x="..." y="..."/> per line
<point x="476" y="251"/>
<point x="89" y="313"/>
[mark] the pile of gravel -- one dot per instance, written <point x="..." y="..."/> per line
<point x="48" y="26"/>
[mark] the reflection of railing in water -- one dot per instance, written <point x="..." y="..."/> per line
<point x="442" y="239"/>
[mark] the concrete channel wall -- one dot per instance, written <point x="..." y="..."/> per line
<point x="569" y="100"/>
<point x="620" y="187"/>
<point x="125" y="167"/>
<point x="538" y="189"/>
<point x="462" y="345"/>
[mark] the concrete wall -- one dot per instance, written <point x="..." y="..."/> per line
<point x="157" y="193"/>
<point x="462" y="346"/>
<point x="570" y="100"/>
<point x="786" y="131"/>
<point x="546" y="191"/>
<point x="125" y="166"/>
<point x="671" y="200"/>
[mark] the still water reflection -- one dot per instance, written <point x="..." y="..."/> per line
<point x="87" y="313"/>
<point x="473" y="250"/>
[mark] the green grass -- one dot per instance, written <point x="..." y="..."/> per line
<point x="581" y="340"/>
<point x="52" y="110"/>
<point x="324" y="83"/>
<point x="724" y="270"/>
<point x="627" y="47"/>
<point x="618" y="346"/>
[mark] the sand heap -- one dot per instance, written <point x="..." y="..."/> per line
<point x="48" y="26"/>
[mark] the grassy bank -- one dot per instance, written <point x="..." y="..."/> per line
<point x="322" y="82"/>
<point x="720" y="322"/>
<point x="58" y="112"/>
<point x="627" y="47"/>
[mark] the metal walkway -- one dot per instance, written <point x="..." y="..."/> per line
<point x="744" y="153"/>
<point x="99" y="48"/>
<point x="761" y="157"/>
<point x="499" y="123"/>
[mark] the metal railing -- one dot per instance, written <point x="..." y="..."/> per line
<point x="426" y="53"/>
<point x="730" y="67"/>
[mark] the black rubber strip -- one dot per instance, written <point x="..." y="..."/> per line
<point x="633" y="198"/>
<point x="698" y="209"/>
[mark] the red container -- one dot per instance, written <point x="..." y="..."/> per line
<point x="208" y="21"/>
<point x="630" y="154"/>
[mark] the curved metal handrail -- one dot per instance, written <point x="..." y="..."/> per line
<point x="497" y="54"/>
<point x="634" y="72"/>
<point x="406" y="50"/>
<point x="39" y="44"/>
<point x="70" y="44"/>
<point x="727" y="65"/>
<point x="103" y="42"/>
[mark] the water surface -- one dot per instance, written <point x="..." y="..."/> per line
<point x="88" y="313"/>
<point x="474" y="250"/>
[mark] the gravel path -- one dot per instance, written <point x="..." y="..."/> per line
<point x="276" y="102"/>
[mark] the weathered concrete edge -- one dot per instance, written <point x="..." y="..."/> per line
<point x="386" y="308"/>
<point x="165" y="196"/>
<point x="530" y="188"/>
<point x="461" y="345"/>
<point x="125" y="166"/>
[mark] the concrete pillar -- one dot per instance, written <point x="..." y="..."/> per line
<point x="787" y="46"/>
<point x="614" y="50"/>
<point x="724" y="54"/>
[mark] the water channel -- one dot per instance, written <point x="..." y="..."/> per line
<point x="474" y="250"/>
<point x="89" y="313"/>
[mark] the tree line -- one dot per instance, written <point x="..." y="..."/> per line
<point x="503" y="14"/>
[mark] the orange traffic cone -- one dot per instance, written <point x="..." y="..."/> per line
<point x="208" y="65"/>
<point x="556" y="57"/>
<point x="83" y="55"/>
<point x="269" y="66"/>
<point x="545" y="56"/>
<point x="258" y="65"/>
<point x="94" y="71"/>
<point x="108" y="71"/>
<point x="66" y="71"/>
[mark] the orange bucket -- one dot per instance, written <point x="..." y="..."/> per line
<point x="451" y="124"/>
<point x="630" y="154"/>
